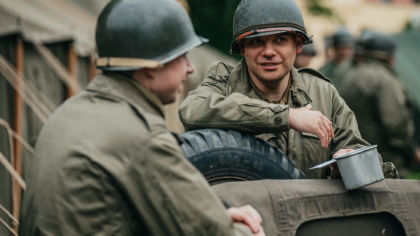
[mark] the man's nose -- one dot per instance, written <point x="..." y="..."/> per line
<point x="269" y="50"/>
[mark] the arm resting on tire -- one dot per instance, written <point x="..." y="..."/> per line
<point x="210" y="106"/>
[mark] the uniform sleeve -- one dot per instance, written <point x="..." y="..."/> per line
<point x="172" y="196"/>
<point x="209" y="106"/>
<point x="395" y="115"/>
<point x="346" y="131"/>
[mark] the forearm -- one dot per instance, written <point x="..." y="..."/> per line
<point x="206" y="109"/>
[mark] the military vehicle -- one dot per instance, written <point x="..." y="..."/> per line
<point x="292" y="205"/>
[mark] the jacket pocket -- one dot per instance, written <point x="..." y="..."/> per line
<point x="311" y="151"/>
<point x="266" y="137"/>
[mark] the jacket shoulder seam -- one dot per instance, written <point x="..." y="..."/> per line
<point x="315" y="73"/>
<point x="214" y="69"/>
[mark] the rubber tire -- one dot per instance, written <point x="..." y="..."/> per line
<point x="227" y="155"/>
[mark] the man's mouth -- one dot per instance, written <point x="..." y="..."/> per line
<point x="269" y="65"/>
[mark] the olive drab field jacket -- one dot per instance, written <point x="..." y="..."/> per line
<point x="107" y="165"/>
<point x="226" y="99"/>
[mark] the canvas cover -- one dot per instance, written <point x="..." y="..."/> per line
<point x="286" y="204"/>
<point x="48" y="21"/>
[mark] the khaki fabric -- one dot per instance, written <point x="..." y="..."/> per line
<point x="382" y="109"/>
<point x="107" y="165"/>
<point x="226" y="99"/>
<point x="285" y="205"/>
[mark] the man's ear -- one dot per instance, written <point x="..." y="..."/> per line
<point x="241" y="49"/>
<point x="149" y="72"/>
<point x="299" y="44"/>
<point x="391" y="61"/>
<point x="145" y="76"/>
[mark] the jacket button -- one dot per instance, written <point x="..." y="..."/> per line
<point x="277" y="109"/>
<point x="277" y="120"/>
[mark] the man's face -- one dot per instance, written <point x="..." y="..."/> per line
<point x="303" y="60"/>
<point x="270" y="58"/>
<point x="167" y="81"/>
<point x="343" y="52"/>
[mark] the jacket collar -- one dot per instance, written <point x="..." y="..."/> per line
<point x="125" y="88"/>
<point x="240" y="81"/>
<point x="298" y="95"/>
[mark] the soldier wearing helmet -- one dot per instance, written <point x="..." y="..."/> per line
<point x="299" y="111"/>
<point x="304" y="58"/>
<point x="105" y="162"/>
<point x="379" y="100"/>
<point x="342" y="49"/>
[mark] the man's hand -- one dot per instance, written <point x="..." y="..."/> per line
<point x="305" y="120"/>
<point x="248" y="216"/>
<point x="342" y="151"/>
<point x="335" y="170"/>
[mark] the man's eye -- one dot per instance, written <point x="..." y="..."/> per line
<point x="255" y="42"/>
<point x="281" y="39"/>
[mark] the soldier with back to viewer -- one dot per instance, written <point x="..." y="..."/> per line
<point x="105" y="162"/>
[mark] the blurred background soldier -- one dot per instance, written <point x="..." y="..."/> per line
<point x="342" y="49"/>
<point x="303" y="59"/>
<point x="379" y="100"/>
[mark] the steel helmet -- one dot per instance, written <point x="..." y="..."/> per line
<point x="254" y="18"/>
<point x="308" y="49"/>
<point x="376" y="45"/>
<point x="133" y="34"/>
<point x="342" y="38"/>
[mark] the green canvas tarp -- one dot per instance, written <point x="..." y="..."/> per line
<point x="287" y="206"/>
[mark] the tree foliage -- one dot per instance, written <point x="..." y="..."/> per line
<point x="213" y="19"/>
<point x="318" y="8"/>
